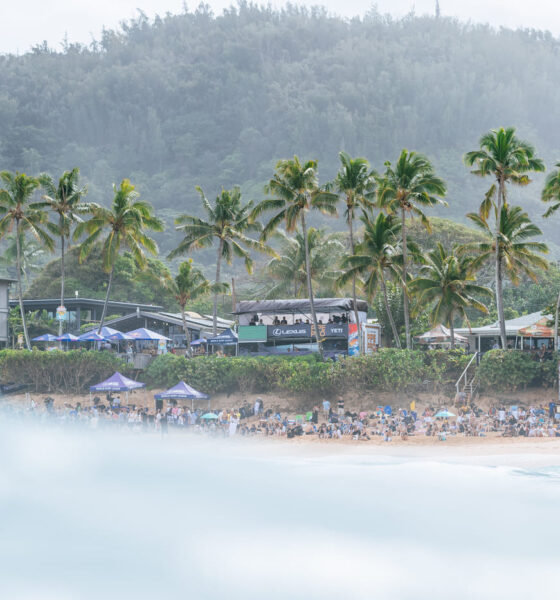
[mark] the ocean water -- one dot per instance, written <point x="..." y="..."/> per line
<point x="123" y="516"/>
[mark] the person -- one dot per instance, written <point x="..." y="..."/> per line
<point x="496" y="346"/>
<point x="276" y="321"/>
<point x="283" y="321"/>
<point x="340" y="406"/>
<point x="326" y="408"/>
<point x="257" y="407"/>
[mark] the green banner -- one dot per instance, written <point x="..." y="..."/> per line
<point x="249" y="333"/>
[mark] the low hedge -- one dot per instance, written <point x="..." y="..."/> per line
<point x="68" y="372"/>
<point x="510" y="370"/>
<point x="386" y="370"/>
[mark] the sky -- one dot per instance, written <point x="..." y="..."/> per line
<point x="24" y="23"/>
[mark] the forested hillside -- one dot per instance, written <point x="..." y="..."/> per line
<point x="216" y="100"/>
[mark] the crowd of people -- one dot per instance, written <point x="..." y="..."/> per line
<point x="327" y="422"/>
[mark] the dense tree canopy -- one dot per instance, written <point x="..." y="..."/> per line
<point x="217" y="100"/>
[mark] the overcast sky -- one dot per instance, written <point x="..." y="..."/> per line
<point x="24" y="23"/>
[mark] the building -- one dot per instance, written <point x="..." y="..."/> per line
<point x="284" y="326"/>
<point x="482" y="339"/>
<point x="83" y="310"/>
<point x="4" y="310"/>
<point x="170" y="324"/>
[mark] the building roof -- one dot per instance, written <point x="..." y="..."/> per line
<point x="299" y="305"/>
<point x="203" y="322"/>
<point x="512" y="325"/>
<point x="74" y="302"/>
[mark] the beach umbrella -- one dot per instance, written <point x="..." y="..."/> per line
<point x="443" y="414"/>
<point x="46" y="337"/>
<point x="91" y="336"/>
<point x="67" y="337"/>
<point x="108" y="331"/>
<point x="118" y="336"/>
<point x="198" y="342"/>
<point x="143" y="334"/>
<point x="209" y="416"/>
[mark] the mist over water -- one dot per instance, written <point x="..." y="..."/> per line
<point x="122" y="516"/>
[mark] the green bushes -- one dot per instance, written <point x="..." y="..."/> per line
<point x="511" y="370"/>
<point x="69" y="372"/>
<point x="386" y="370"/>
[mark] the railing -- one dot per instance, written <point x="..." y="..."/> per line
<point x="463" y="381"/>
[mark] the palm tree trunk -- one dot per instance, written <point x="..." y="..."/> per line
<point x="354" y="296"/>
<point x="498" y="262"/>
<point x="20" y="290"/>
<point x="218" y="269"/>
<point x="186" y="330"/>
<point x="104" y="313"/>
<point x="310" y="286"/>
<point x="61" y="280"/>
<point x="556" y="322"/>
<point x="404" y="283"/>
<point x="452" y="332"/>
<point x="389" y="313"/>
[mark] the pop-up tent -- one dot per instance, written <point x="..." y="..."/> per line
<point x="226" y="338"/>
<point x="116" y="383"/>
<point x="183" y="391"/>
<point x="67" y="337"/>
<point x="440" y="335"/>
<point x="91" y="336"/>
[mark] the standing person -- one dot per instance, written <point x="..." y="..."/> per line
<point x="340" y="406"/>
<point x="257" y="407"/>
<point x="315" y="415"/>
<point x="326" y="408"/>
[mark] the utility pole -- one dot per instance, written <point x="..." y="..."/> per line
<point x="233" y="298"/>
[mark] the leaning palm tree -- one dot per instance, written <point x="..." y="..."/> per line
<point x="551" y="193"/>
<point x="516" y="254"/>
<point x="31" y="253"/>
<point x="287" y="272"/>
<point x="64" y="199"/>
<point x="447" y="284"/>
<point x="378" y="257"/>
<point x="125" y="223"/>
<point x="356" y="184"/>
<point x="228" y="221"/>
<point x="191" y="284"/>
<point x="508" y="160"/>
<point x="17" y="215"/>
<point x="294" y="190"/>
<point x="403" y="189"/>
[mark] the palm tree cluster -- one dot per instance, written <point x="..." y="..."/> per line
<point x="377" y="258"/>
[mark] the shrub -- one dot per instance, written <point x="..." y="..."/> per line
<point x="510" y="370"/>
<point x="69" y="372"/>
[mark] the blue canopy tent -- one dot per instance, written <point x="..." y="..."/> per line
<point x="226" y="338"/>
<point x="67" y="337"/>
<point x="117" y="383"/>
<point x="183" y="391"/>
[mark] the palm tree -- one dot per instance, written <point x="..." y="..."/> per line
<point x="447" y="282"/>
<point x="356" y="184"/>
<point x="65" y="200"/>
<point x="17" y="213"/>
<point x="377" y="257"/>
<point x="126" y="223"/>
<point x="190" y="284"/>
<point x="294" y="190"/>
<point x="287" y="271"/>
<point x="403" y="189"/>
<point x="506" y="158"/>
<point x="516" y="255"/>
<point x="31" y="252"/>
<point x="228" y="221"/>
<point x="551" y="193"/>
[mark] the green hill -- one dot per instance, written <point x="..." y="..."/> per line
<point x="197" y="99"/>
